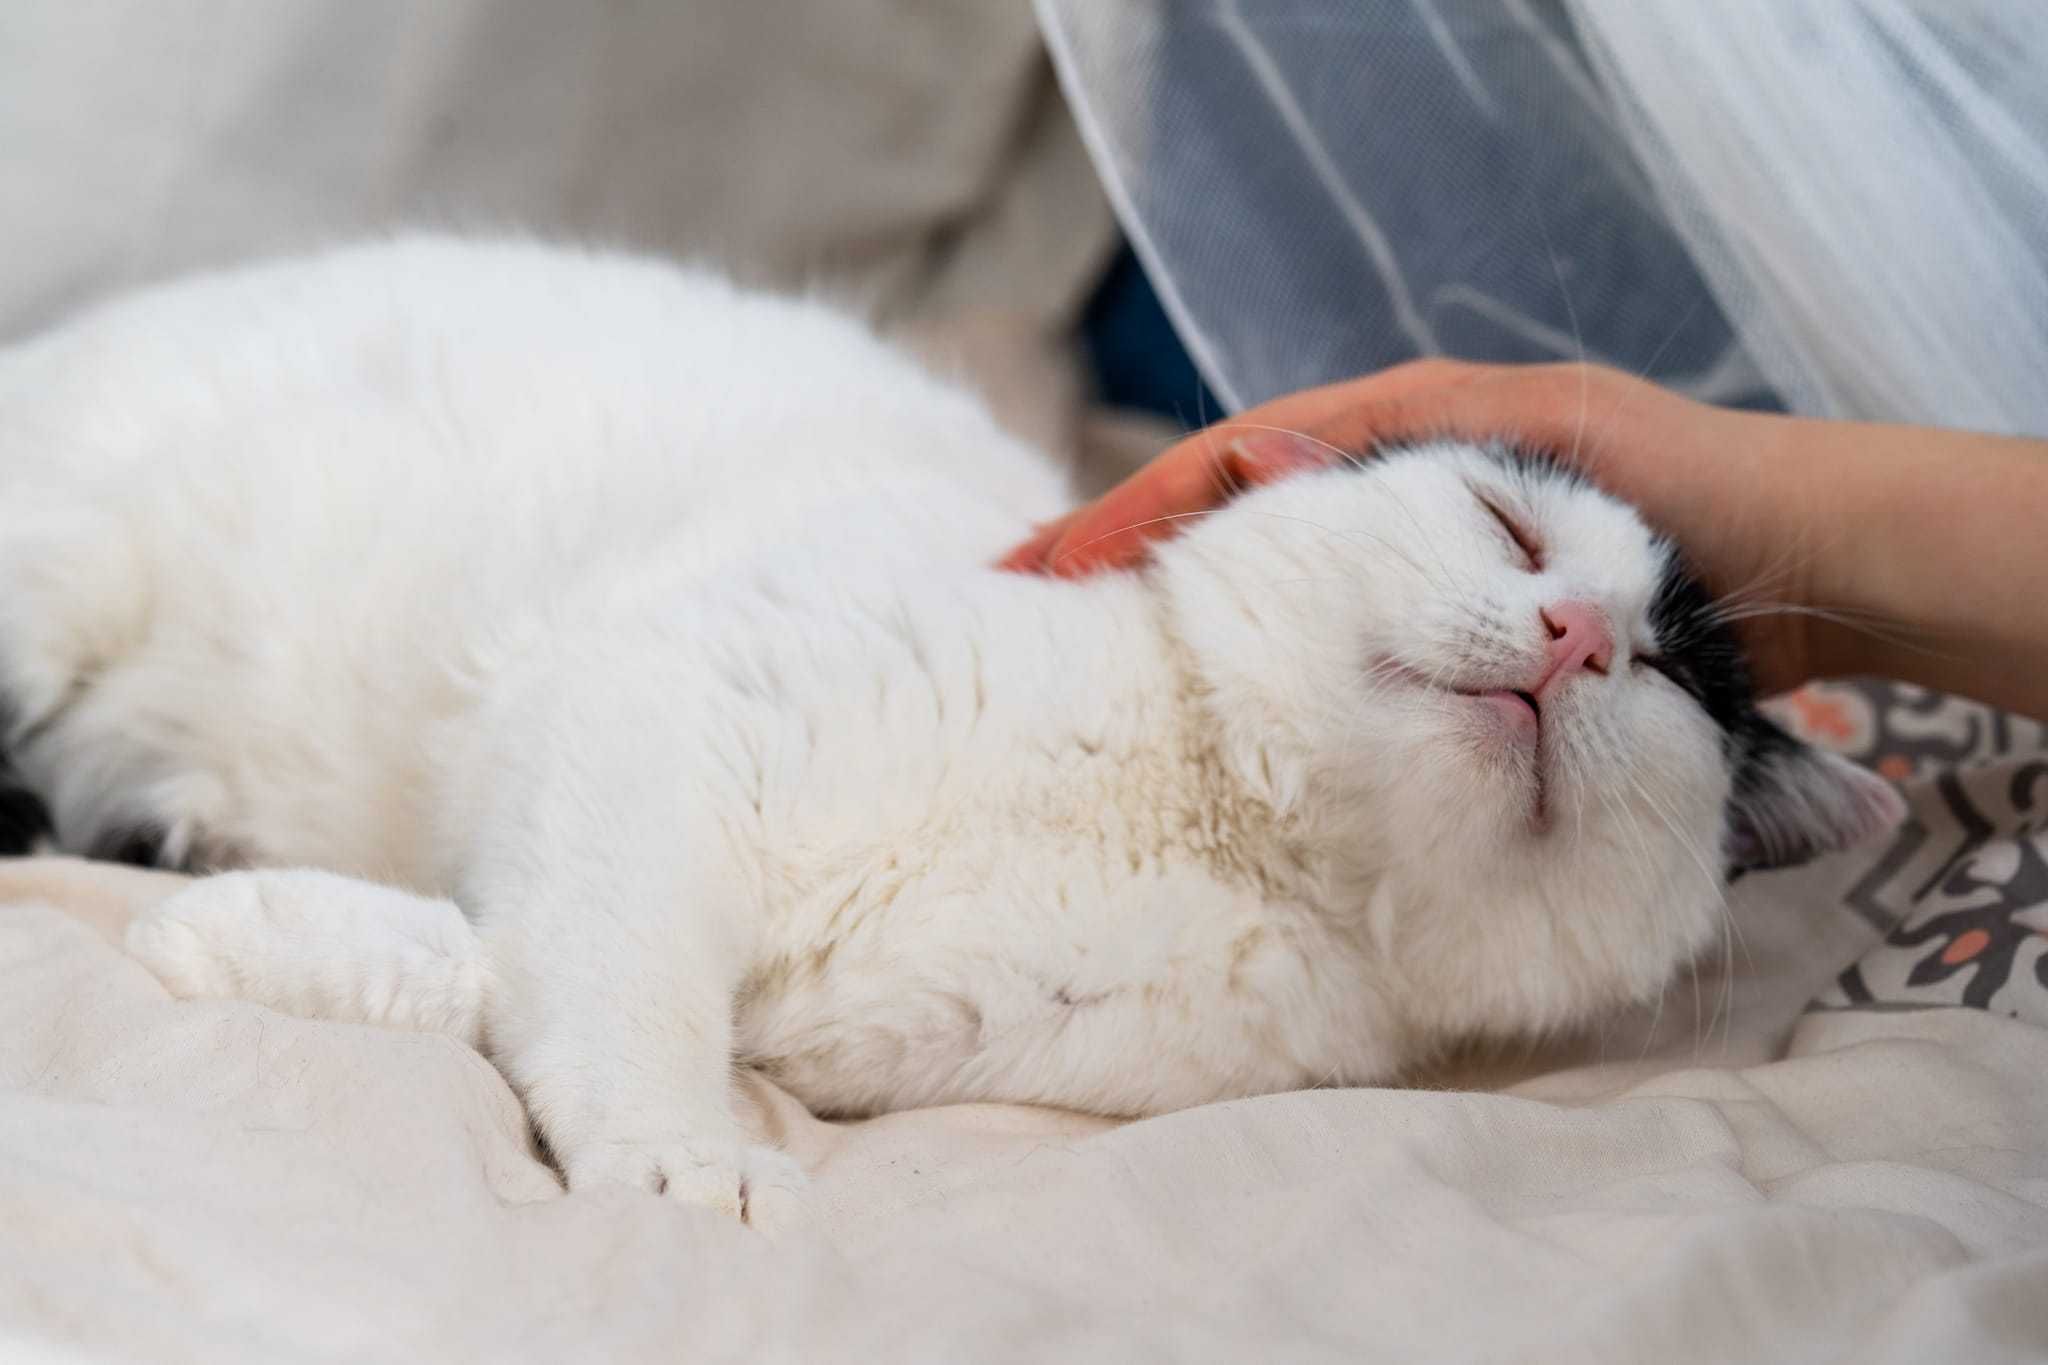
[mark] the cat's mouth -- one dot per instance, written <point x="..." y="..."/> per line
<point x="1510" y="716"/>
<point x="1518" y="710"/>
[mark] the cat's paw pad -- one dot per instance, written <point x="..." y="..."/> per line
<point x="751" y="1183"/>
<point x="187" y="941"/>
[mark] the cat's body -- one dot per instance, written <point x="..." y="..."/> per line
<point x="653" y="623"/>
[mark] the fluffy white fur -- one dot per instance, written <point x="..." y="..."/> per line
<point x="651" y="623"/>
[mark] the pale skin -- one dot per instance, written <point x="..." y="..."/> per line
<point x="1841" y="548"/>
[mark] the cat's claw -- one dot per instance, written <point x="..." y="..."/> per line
<point x="758" y="1185"/>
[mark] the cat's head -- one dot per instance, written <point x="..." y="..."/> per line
<point x="1508" y="704"/>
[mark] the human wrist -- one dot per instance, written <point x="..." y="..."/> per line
<point x="1817" y="506"/>
<point x="1922" y="557"/>
<point x="1848" y="497"/>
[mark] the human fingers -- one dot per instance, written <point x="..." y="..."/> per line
<point x="1204" y="470"/>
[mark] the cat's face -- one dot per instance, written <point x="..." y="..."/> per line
<point x="1502" y="691"/>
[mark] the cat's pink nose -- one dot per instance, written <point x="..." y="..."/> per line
<point x="1580" y="641"/>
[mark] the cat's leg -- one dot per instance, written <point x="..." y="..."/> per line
<point x="318" y="946"/>
<point x="619" y="928"/>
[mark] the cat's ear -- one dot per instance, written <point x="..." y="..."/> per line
<point x="1793" y="802"/>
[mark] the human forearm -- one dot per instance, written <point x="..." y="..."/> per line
<point x="1926" y="558"/>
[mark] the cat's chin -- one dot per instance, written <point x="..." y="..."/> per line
<point x="1500" y="730"/>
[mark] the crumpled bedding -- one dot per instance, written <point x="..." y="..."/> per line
<point x="1728" y="1177"/>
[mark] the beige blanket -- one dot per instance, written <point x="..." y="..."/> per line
<point x="214" y="1182"/>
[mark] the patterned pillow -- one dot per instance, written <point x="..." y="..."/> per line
<point x="1961" y="891"/>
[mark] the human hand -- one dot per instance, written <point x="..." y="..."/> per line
<point x="1695" y="471"/>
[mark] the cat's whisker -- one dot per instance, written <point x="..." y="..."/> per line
<point x="1134" y="526"/>
<point x="1355" y="535"/>
<point x="1625" y="822"/>
<point x="1303" y="580"/>
<point x="1578" y="335"/>
<point x="1876" y="627"/>
<point x="1646" y="371"/>
<point x="1647" y="889"/>
<point x="1778" y="568"/>
<point x="1730" y="931"/>
<point x="1450" y="579"/>
<point x="1713" y="879"/>
<point x="1349" y="457"/>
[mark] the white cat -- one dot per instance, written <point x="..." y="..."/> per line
<point x="652" y="623"/>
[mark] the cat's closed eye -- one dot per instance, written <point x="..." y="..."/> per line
<point x="1524" y="541"/>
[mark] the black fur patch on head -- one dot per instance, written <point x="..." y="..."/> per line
<point x="1526" y="460"/>
<point x="1699" y="651"/>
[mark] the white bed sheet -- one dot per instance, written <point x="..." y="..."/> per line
<point x="214" y="1182"/>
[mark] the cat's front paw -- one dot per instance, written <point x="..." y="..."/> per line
<point x="318" y="946"/>
<point x="757" y="1185"/>
<point x="188" y="942"/>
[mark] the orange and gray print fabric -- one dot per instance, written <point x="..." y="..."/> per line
<point x="1960" y="891"/>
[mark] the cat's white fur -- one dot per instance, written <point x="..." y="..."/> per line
<point x="652" y="623"/>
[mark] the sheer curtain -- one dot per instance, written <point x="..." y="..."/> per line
<point x="1837" y="205"/>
